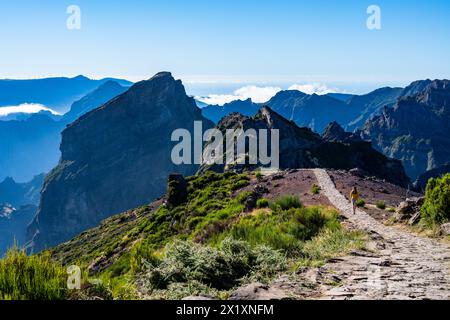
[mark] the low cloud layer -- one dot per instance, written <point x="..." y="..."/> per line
<point x="263" y="94"/>
<point x="25" y="108"/>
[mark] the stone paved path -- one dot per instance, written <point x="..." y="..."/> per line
<point x="405" y="266"/>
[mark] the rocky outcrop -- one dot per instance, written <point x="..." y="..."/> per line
<point x="409" y="210"/>
<point x="114" y="158"/>
<point x="258" y="291"/>
<point x="445" y="229"/>
<point x="176" y="190"/>
<point x="302" y="148"/>
<point x="417" y="129"/>
<point x="335" y="133"/>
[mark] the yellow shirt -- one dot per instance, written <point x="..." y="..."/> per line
<point x="354" y="195"/>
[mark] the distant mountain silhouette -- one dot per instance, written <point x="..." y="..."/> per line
<point x="416" y="130"/>
<point x="13" y="225"/>
<point x="30" y="145"/>
<point x="19" y="194"/>
<point x="99" y="96"/>
<point x="55" y="93"/>
<point x="215" y="112"/>
<point x="315" y="111"/>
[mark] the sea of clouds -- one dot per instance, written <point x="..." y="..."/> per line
<point x="260" y="94"/>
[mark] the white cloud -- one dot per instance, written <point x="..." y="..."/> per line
<point x="311" y="88"/>
<point x="257" y="94"/>
<point x="263" y="94"/>
<point x="25" y="108"/>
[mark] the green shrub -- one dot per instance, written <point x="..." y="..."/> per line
<point x="360" y="203"/>
<point x="381" y="205"/>
<point x="262" y="203"/>
<point x="220" y="268"/>
<point x="315" y="189"/>
<point x="436" y="207"/>
<point x="283" y="230"/>
<point x="33" y="277"/>
<point x="331" y="243"/>
<point x="286" y="202"/>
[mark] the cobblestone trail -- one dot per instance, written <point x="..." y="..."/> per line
<point x="405" y="266"/>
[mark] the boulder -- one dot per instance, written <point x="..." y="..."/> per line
<point x="409" y="210"/>
<point x="258" y="291"/>
<point x="445" y="229"/>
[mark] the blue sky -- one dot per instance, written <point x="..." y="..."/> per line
<point x="219" y="46"/>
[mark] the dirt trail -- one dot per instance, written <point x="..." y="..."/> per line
<point x="405" y="266"/>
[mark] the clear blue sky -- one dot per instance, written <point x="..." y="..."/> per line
<point x="246" y="41"/>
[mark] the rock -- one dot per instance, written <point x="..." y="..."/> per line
<point x="258" y="291"/>
<point x="176" y="190"/>
<point x="358" y="172"/>
<point x="415" y="218"/>
<point x="445" y="229"/>
<point x="335" y="133"/>
<point x="409" y="210"/>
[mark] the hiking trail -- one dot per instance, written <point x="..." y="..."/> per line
<point x="404" y="266"/>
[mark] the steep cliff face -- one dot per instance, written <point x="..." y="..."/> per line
<point x="114" y="158"/>
<point x="417" y="129"/>
<point x="302" y="148"/>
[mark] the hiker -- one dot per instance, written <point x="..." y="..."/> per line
<point x="354" y="196"/>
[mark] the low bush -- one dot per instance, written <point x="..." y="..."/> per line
<point x="220" y="268"/>
<point x="262" y="203"/>
<point x="331" y="243"/>
<point x="360" y="203"/>
<point x="284" y="230"/>
<point x="381" y="205"/>
<point x="286" y="202"/>
<point x="315" y="189"/>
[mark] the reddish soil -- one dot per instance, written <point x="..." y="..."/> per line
<point x="295" y="182"/>
<point x="371" y="190"/>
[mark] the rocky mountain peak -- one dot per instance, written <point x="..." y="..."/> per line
<point x="114" y="158"/>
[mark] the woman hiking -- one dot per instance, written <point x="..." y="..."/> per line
<point x="354" y="196"/>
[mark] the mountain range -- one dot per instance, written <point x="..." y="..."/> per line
<point x="300" y="147"/>
<point x="115" y="145"/>
<point x="30" y="145"/>
<point x="416" y="130"/>
<point x="55" y="93"/>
